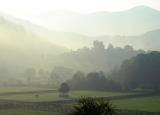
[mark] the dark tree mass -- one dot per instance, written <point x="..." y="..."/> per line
<point x="139" y="72"/>
<point x="92" y="81"/>
<point x="142" y="71"/>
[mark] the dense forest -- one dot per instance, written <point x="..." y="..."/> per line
<point x="142" y="71"/>
<point x="139" y="72"/>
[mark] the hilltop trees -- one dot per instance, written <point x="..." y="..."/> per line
<point x="97" y="57"/>
<point x="98" y="45"/>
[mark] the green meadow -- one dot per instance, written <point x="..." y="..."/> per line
<point x="150" y="104"/>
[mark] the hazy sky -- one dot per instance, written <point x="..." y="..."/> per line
<point x="24" y="8"/>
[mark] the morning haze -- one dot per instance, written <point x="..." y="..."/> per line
<point x="79" y="57"/>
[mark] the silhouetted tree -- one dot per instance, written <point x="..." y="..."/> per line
<point x="64" y="89"/>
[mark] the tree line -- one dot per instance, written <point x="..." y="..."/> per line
<point x="92" y="81"/>
<point x="140" y="72"/>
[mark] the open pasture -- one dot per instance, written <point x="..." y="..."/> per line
<point x="54" y="96"/>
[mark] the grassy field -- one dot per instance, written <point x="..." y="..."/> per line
<point x="25" y="112"/>
<point x="55" y="96"/>
<point x="20" y="89"/>
<point x="151" y="104"/>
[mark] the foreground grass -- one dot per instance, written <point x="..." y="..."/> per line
<point x="55" y="96"/>
<point x="150" y="104"/>
<point x="25" y="112"/>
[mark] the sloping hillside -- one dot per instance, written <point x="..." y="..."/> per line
<point x="21" y="48"/>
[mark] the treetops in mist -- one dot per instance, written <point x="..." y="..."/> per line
<point x="98" y="57"/>
<point x="99" y="45"/>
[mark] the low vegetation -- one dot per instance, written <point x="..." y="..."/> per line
<point x="150" y="104"/>
<point x="93" y="106"/>
<point x="25" y="112"/>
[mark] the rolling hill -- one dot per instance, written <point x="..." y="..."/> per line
<point x="135" y="21"/>
<point x="21" y="48"/>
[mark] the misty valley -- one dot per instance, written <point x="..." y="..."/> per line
<point x="69" y="63"/>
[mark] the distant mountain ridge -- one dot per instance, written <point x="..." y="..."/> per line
<point x="149" y="40"/>
<point x="130" y="22"/>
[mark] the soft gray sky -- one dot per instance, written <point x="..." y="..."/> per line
<point x="25" y="8"/>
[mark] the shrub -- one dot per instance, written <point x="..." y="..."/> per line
<point x="93" y="106"/>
